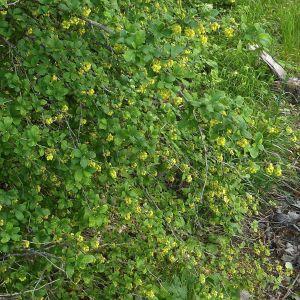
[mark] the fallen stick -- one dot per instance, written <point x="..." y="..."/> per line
<point x="291" y="85"/>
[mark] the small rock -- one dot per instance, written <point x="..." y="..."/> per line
<point x="244" y="295"/>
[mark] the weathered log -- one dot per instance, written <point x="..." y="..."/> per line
<point x="291" y="85"/>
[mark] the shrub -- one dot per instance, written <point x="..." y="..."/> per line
<point x="130" y="149"/>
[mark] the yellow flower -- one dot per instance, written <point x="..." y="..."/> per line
<point x="83" y="121"/>
<point x="49" y="156"/>
<point x="220" y="158"/>
<point x="1" y="222"/>
<point x="214" y="26"/>
<point x="80" y="238"/>
<point x="128" y="216"/>
<point x="86" y="11"/>
<point x="294" y="139"/>
<point x="26" y="244"/>
<point x="128" y="200"/>
<point x="110" y="138"/>
<point x="253" y="168"/>
<point x="29" y="31"/>
<point x="278" y="171"/>
<point x="156" y="67"/>
<point x="85" y="248"/>
<point x="66" y="24"/>
<point x="221" y="141"/>
<point x="95" y="244"/>
<point x="90" y="92"/>
<point x="170" y="63"/>
<point x="189" y="32"/>
<point x="289" y="130"/>
<point x="150" y="294"/>
<point x="54" y="77"/>
<point x="229" y="32"/>
<point x="49" y="121"/>
<point x="113" y="174"/>
<point x="176" y="29"/>
<point x="172" y="259"/>
<point x="86" y="66"/>
<point x="271" y="129"/>
<point x="203" y="39"/>
<point x="178" y="101"/>
<point x="138" y="209"/>
<point x="243" y="143"/>
<point x="201" y="29"/>
<point x="189" y="178"/>
<point x="202" y="278"/>
<point x="143" y="155"/>
<point x="213" y="122"/>
<point x="270" y="169"/>
<point x="65" y="108"/>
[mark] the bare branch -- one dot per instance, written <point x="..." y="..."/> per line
<point x="9" y="4"/>
<point x="101" y="26"/>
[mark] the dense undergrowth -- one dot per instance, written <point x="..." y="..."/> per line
<point x="135" y="136"/>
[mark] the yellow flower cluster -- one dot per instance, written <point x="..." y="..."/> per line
<point x="26" y="244"/>
<point x="66" y="24"/>
<point x="49" y="121"/>
<point x="110" y="138"/>
<point x="215" y="26"/>
<point x="229" y="32"/>
<point x="49" y="153"/>
<point x="270" y="169"/>
<point x="254" y="168"/>
<point x="113" y="174"/>
<point x="86" y="66"/>
<point x="54" y="77"/>
<point x="221" y="141"/>
<point x="65" y="108"/>
<point x="189" y="32"/>
<point x="243" y="143"/>
<point x="203" y="39"/>
<point x="86" y="11"/>
<point x="176" y="29"/>
<point x="143" y="155"/>
<point x="95" y="165"/>
<point x="29" y="31"/>
<point x="273" y="130"/>
<point x="156" y="67"/>
<point x="89" y="92"/>
<point x="169" y="63"/>
<point x="178" y="101"/>
<point x="289" y="130"/>
<point x="201" y="29"/>
<point x="83" y="121"/>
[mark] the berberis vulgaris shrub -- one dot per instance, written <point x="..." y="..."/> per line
<point x="127" y="155"/>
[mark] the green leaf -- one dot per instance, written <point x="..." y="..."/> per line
<point x="69" y="270"/>
<point x="88" y="259"/>
<point x="139" y="37"/>
<point x="84" y="162"/>
<point x="129" y="55"/>
<point x="5" y="238"/>
<point x="19" y="215"/>
<point x="78" y="175"/>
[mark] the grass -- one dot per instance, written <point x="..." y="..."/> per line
<point x="282" y="21"/>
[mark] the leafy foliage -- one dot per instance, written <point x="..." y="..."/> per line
<point x="130" y="149"/>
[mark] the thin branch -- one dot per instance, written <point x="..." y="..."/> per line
<point x="6" y="296"/>
<point x="101" y="26"/>
<point x="7" y="42"/>
<point x="289" y="291"/>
